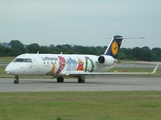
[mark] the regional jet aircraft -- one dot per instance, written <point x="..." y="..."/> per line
<point x="63" y="65"/>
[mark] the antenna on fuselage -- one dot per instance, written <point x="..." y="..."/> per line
<point x="61" y="53"/>
<point x="37" y="52"/>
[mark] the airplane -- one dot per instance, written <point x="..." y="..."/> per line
<point x="67" y="65"/>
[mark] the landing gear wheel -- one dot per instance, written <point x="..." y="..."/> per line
<point x="60" y="79"/>
<point x="81" y="79"/>
<point x="16" y="81"/>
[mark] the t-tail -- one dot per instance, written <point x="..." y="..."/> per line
<point x="114" y="46"/>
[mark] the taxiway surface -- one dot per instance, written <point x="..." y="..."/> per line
<point x="110" y="83"/>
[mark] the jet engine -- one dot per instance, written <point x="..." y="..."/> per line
<point x="106" y="60"/>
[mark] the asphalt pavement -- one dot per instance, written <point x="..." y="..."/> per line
<point x="109" y="83"/>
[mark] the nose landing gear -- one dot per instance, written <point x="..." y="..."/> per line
<point x="16" y="81"/>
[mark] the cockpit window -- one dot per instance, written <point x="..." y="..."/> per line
<point x="19" y="60"/>
<point x="26" y="60"/>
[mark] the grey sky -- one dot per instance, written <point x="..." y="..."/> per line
<point x="82" y="22"/>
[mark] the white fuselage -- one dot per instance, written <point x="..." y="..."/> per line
<point x="55" y="64"/>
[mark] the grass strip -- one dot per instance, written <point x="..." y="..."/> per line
<point x="122" y="105"/>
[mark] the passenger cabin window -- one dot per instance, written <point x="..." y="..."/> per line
<point x="26" y="60"/>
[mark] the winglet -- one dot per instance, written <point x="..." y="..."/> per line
<point x="155" y="69"/>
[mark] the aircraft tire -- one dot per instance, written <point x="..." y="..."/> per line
<point x="16" y="81"/>
<point x="81" y="79"/>
<point x="60" y="79"/>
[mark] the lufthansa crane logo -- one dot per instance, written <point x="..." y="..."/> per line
<point x="115" y="48"/>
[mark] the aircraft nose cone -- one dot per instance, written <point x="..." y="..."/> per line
<point x="8" y="69"/>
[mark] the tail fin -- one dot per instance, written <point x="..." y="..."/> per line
<point x="114" y="46"/>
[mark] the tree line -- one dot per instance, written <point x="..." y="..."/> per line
<point x="16" y="48"/>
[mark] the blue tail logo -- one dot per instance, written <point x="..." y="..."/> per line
<point x="114" y="46"/>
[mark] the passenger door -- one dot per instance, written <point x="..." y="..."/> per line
<point x="37" y="63"/>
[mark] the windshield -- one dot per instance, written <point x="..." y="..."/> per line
<point x="26" y="60"/>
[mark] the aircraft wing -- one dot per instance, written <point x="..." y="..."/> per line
<point x="82" y="73"/>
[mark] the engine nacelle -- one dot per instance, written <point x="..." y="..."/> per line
<point x="106" y="60"/>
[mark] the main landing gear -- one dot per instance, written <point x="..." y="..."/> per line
<point x="81" y="79"/>
<point x="16" y="81"/>
<point x="60" y="79"/>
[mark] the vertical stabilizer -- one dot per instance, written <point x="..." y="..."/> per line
<point x="114" y="46"/>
